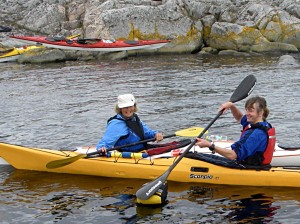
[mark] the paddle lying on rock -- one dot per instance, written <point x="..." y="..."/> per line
<point x="242" y="91"/>
<point x="189" y="132"/>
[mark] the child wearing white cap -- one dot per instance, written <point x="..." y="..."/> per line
<point x="126" y="127"/>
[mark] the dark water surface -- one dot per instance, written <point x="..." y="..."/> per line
<point x="65" y="105"/>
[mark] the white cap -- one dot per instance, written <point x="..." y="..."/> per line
<point x="126" y="100"/>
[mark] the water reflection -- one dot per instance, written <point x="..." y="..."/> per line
<point x="63" y="204"/>
<point x="256" y="209"/>
<point x="242" y="204"/>
<point x="61" y="196"/>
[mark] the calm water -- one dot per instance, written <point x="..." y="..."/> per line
<point x="65" y="105"/>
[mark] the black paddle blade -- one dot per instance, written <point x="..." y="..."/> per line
<point x="244" y="89"/>
<point x="150" y="188"/>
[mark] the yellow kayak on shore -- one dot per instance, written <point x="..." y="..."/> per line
<point x="13" y="54"/>
<point x="188" y="170"/>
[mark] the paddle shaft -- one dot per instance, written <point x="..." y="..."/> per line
<point x="128" y="145"/>
<point x="150" y="188"/>
<point x="194" y="142"/>
<point x="60" y="163"/>
<point x="63" y="162"/>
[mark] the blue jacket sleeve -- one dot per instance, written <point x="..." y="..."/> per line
<point x="148" y="132"/>
<point x="114" y="130"/>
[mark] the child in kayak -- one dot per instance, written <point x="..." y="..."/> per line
<point x="126" y="127"/>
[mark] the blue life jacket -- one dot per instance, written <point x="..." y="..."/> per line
<point x="134" y="124"/>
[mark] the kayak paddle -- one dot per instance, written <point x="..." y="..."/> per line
<point x="189" y="132"/>
<point x="242" y="91"/>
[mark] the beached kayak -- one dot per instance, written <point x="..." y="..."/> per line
<point x="13" y="54"/>
<point x="188" y="170"/>
<point x="91" y="44"/>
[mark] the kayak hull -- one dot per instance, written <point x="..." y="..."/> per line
<point x="188" y="170"/>
<point x="94" y="44"/>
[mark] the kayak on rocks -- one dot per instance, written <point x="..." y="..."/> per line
<point x="91" y="44"/>
<point x="13" y="54"/>
<point x="190" y="169"/>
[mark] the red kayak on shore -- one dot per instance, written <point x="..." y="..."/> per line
<point x="91" y="44"/>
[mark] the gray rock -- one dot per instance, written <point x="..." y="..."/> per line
<point x="233" y="53"/>
<point x="40" y="56"/>
<point x="209" y="50"/>
<point x="274" y="47"/>
<point x="287" y="60"/>
<point x="229" y="36"/>
<point x="240" y="25"/>
<point x="114" y="56"/>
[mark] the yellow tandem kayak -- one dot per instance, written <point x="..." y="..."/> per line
<point x="188" y="170"/>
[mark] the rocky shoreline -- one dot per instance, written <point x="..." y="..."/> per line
<point x="205" y="26"/>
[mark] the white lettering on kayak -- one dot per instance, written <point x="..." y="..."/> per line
<point x="152" y="188"/>
<point x="207" y="176"/>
